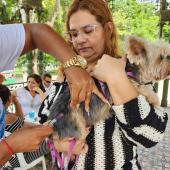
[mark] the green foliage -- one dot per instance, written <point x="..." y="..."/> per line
<point x="59" y="24"/>
<point x="61" y="18"/>
<point x="135" y="18"/>
<point x="9" y="11"/>
<point x="48" y="8"/>
<point x="166" y="31"/>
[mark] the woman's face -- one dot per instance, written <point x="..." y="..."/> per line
<point x="87" y="35"/>
<point x="32" y="83"/>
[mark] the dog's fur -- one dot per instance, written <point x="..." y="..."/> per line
<point x="72" y="123"/>
<point x="152" y="61"/>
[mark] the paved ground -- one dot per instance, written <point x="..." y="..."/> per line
<point x="158" y="157"/>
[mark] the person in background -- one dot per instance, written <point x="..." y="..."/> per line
<point x="42" y="114"/>
<point x="31" y="96"/>
<point x="47" y="82"/>
<point x="2" y="78"/>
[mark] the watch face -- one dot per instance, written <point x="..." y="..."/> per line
<point x="82" y="61"/>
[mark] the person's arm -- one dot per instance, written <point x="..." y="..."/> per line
<point x="4" y="156"/>
<point x="41" y="93"/>
<point x="17" y="105"/>
<point x="140" y="122"/>
<point x="20" y="141"/>
<point x="43" y="37"/>
<point x="120" y="87"/>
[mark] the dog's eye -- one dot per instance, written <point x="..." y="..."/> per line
<point x="161" y="57"/>
<point x="168" y="57"/>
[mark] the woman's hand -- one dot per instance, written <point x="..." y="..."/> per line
<point x="41" y="93"/>
<point x="112" y="71"/>
<point x="37" y="89"/>
<point x="79" y="148"/>
<point x="109" y="69"/>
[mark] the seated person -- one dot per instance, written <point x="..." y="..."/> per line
<point x="14" y="122"/>
<point x="47" y="82"/>
<point x="31" y="96"/>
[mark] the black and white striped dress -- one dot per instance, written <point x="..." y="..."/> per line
<point x="29" y="156"/>
<point x="113" y="142"/>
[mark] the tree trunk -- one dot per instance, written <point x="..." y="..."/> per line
<point x="52" y="18"/>
<point x="164" y="17"/>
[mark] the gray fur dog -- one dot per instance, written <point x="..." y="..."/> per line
<point x="73" y="122"/>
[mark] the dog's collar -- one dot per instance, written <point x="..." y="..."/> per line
<point x="133" y="76"/>
<point x="143" y="83"/>
<point x="149" y="83"/>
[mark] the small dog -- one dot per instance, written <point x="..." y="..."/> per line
<point x="69" y="122"/>
<point x="149" y="63"/>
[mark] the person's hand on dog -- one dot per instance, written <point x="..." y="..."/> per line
<point x="112" y="71"/>
<point x="109" y="69"/>
<point x="81" y="87"/>
<point x="79" y="148"/>
<point x="29" y="138"/>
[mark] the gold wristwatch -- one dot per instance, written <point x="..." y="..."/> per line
<point x="78" y="61"/>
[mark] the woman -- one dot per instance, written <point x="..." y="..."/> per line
<point x="112" y="143"/>
<point x="31" y="96"/>
<point x="16" y="121"/>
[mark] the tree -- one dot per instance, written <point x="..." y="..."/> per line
<point x="134" y="18"/>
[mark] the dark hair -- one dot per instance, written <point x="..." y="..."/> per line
<point x="47" y="75"/>
<point x="4" y="93"/>
<point x="38" y="80"/>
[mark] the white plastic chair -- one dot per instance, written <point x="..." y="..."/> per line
<point x="23" y="164"/>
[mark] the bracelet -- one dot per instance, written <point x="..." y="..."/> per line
<point x="10" y="150"/>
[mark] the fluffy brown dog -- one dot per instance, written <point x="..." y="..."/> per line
<point x="151" y="62"/>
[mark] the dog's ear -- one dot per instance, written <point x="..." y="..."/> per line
<point x="136" y="45"/>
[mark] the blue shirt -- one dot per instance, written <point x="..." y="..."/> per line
<point x="2" y="119"/>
